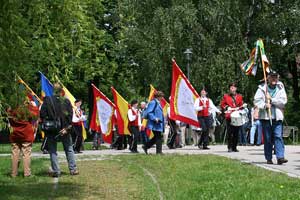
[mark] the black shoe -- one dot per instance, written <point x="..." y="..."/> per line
<point x="280" y="161"/>
<point x="235" y="150"/>
<point x="145" y="149"/>
<point x="205" y="148"/>
<point x="269" y="162"/>
<point x="171" y="147"/>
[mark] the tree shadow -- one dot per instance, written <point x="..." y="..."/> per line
<point x="38" y="190"/>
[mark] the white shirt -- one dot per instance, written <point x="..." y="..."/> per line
<point x="133" y="117"/>
<point x="212" y="108"/>
<point x="76" y="118"/>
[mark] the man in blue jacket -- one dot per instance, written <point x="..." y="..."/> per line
<point x="155" y="122"/>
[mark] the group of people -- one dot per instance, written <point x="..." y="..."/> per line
<point x="267" y="117"/>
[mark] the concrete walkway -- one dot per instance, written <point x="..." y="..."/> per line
<point x="248" y="154"/>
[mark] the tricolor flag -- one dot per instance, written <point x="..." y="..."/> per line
<point x="183" y="96"/>
<point x="47" y="87"/>
<point x="122" y="108"/>
<point x="102" y="115"/>
<point x="164" y="104"/>
<point x="250" y="65"/>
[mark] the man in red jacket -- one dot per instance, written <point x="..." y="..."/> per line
<point x="231" y="102"/>
<point x="22" y="136"/>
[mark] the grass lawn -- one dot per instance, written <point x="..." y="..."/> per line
<point x="6" y="148"/>
<point x="124" y="177"/>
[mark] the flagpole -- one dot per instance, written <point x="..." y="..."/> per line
<point x="266" y="84"/>
<point x="28" y="88"/>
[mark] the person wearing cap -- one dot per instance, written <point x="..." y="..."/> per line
<point x="204" y="107"/>
<point x="231" y="102"/>
<point x="155" y="123"/>
<point x="274" y="99"/>
<point x="77" y="120"/>
<point x="134" y="125"/>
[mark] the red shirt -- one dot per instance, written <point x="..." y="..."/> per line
<point x="23" y="130"/>
<point x="228" y="101"/>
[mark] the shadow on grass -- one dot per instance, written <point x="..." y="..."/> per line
<point x="37" y="190"/>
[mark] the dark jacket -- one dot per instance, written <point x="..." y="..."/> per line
<point x="57" y="107"/>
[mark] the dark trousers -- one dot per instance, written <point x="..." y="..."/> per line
<point x="77" y="137"/>
<point x="232" y="136"/>
<point x="134" y="130"/>
<point x="157" y="139"/>
<point x="173" y="133"/>
<point x="205" y="124"/>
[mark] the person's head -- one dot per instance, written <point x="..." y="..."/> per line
<point x="57" y="89"/>
<point x="78" y="103"/>
<point x="143" y="105"/>
<point x="134" y="103"/>
<point x="158" y="95"/>
<point x="232" y="88"/>
<point x="203" y="92"/>
<point x="273" y="78"/>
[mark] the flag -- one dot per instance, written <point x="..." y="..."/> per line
<point x="164" y="104"/>
<point x="47" y="87"/>
<point x="183" y="97"/>
<point x="36" y="101"/>
<point x="264" y="59"/>
<point x="122" y="108"/>
<point x="102" y="115"/>
<point x="67" y="94"/>
<point x="250" y="65"/>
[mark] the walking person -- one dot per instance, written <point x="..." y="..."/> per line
<point x="134" y="125"/>
<point x="204" y="106"/>
<point x="155" y="122"/>
<point x="77" y="122"/>
<point x="57" y="110"/>
<point x="274" y="99"/>
<point x="232" y="102"/>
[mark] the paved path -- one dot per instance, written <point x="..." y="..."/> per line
<point x="249" y="154"/>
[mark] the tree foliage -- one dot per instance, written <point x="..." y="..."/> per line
<point x="129" y="44"/>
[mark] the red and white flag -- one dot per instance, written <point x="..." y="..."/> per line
<point x="102" y="116"/>
<point x="183" y="97"/>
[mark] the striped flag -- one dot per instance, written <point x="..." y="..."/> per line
<point x="250" y="65"/>
<point x="122" y="108"/>
<point x="102" y="115"/>
<point x="183" y="97"/>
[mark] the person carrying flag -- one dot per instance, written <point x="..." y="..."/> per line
<point x="275" y="99"/>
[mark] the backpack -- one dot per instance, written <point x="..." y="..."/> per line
<point x="145" y="114"/>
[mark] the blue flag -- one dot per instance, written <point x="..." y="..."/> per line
<point x="47" y="87"/>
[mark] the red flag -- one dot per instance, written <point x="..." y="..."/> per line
<point x="183" y="97"/>
<point x="122" y="108"/>
<point x="102" y="116"/>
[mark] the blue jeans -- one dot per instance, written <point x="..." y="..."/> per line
<point x="256" y="126"/>
<point x="243" y="134"/>
<point x="68" y="148"/>
<point x="273" y="135"/>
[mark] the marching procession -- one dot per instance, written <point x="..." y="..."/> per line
<point x="155" y="122"/>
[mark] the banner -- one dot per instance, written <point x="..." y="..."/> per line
<point x="183" y="97"/>
<point x="122" y="108"/>
<point x="102" y="116"/>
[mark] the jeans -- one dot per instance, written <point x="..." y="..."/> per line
<point x="68" y="148"/>
<point x="256" y="126"/>
<point x="273" y="135"/>
<point x="243" y="134"/>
